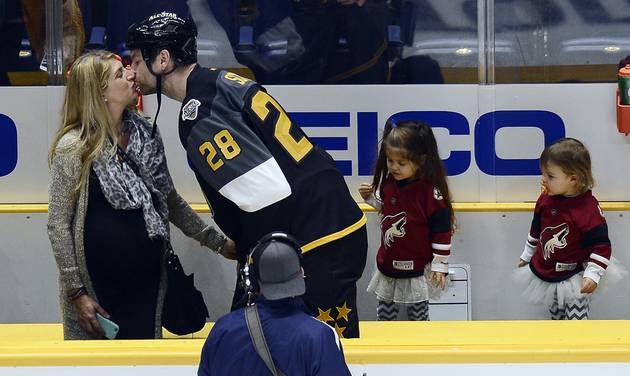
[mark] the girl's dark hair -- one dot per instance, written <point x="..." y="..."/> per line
<point x="416" y="140"/>
<point x="573" y="158"/>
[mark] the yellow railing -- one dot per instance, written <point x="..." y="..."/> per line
<point x="457" y="206"/>
<point x="381" y="343"/>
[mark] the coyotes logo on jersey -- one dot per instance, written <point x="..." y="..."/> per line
<point x="393" y="227"/>
<point x="553" y="238"/>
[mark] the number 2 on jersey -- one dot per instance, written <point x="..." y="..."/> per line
<point x="297" y="149"/>
<point x="226" y="145"/>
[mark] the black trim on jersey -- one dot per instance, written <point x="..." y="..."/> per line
<point x="596" y="236"/>
<point x="561" y="278"/>
<point x="440" y="221"/>
<point x="536" y="222"/>
<point x="403" y="274"/>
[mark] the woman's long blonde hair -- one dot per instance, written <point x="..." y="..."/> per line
<point x="84" y="109"/>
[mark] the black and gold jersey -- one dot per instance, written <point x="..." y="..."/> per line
<point x="257" y="168"/>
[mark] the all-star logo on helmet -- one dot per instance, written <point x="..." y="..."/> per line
<point x="164" y="30"/>
<point x="162" y="15"/>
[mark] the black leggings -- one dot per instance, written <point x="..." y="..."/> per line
<point x="133" y="310"/>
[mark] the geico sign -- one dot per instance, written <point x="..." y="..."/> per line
<point x="8" y="145"/>
<point x="455" y="123"/>
<point x="458" y="162"/>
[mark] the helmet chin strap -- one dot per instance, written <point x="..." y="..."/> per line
<point x="158" y="91"/>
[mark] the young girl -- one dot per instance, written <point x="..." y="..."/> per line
<point x="568" y="250"/>
<point x="416" y="220"/>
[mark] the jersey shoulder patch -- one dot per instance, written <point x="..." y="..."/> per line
<point x="190" y="110"/>
<point x="437" y="194"/>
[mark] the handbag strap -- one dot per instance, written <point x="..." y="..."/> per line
<point x="125" y="157"/>
<point x="136" y="169"/>
<point x="258" y="337"/>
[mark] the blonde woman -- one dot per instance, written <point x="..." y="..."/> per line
<point x="111" y="199"/>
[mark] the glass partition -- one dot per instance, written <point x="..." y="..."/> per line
<point x="325" y="42"/>
<point x="439" y="42"/>
<point x="367" y="42"/>
<point x="560" y="40"/>
<point x="22" y="42"/>
<point x="306" y="42"/>
<point x="313" y="41"/>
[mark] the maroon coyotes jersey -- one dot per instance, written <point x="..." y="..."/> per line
<point x="567" y="233"/>
<point x="415" y="227"/>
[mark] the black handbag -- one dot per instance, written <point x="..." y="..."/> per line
<point x="184" y="310"/>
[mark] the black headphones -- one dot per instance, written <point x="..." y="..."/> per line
<point x="248" y="269"/>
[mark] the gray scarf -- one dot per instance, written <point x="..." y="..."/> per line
<point x="124" y="189"/>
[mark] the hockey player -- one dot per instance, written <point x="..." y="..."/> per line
<point x="256" y="167"/>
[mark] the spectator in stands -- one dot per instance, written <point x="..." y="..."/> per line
<point x="111" y="199"/>
<point x="11" y="26"/>
<point x="73" y="33"/>
<point x="297" y="343"/>
<point x="309" y="41"/>
<point x="119" y="14"/>
<point x="420" y="69"/>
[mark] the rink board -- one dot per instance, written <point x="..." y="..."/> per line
<point x="396" y="348"/>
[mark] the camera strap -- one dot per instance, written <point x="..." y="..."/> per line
<point x="258" y="337"/>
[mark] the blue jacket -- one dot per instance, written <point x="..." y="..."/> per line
<point x="299" y="344"/>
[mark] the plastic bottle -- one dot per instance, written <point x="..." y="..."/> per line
<point x="623" y="79"/>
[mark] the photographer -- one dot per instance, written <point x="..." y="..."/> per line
<point x="297" y="343"/>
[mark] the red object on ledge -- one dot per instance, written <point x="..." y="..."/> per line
<point x="623" y="117"/>
<point x="140" y="104"/>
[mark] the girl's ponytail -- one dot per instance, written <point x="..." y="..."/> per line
<point x="380" y="167"/>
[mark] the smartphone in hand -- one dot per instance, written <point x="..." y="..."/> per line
<point x="109" y="327"/>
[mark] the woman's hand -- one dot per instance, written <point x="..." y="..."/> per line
<point x="438" y="279"/>
<point x="228" y="250"/>
<point x="365" y="190"/>
<point x="522" y="263"/>
<point x="86" y="309"/>
<point x="588" y="285"/>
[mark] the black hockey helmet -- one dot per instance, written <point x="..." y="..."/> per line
<point x="164" y="30"/>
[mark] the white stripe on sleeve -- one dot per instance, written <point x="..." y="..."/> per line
<point x="441" y="247"/>
<point x="599" y="258"/>
<point x="258" y="188"/>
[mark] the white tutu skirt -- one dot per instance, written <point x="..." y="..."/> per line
<point x="538" y="291"/>
<point x="404" y="290"/>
